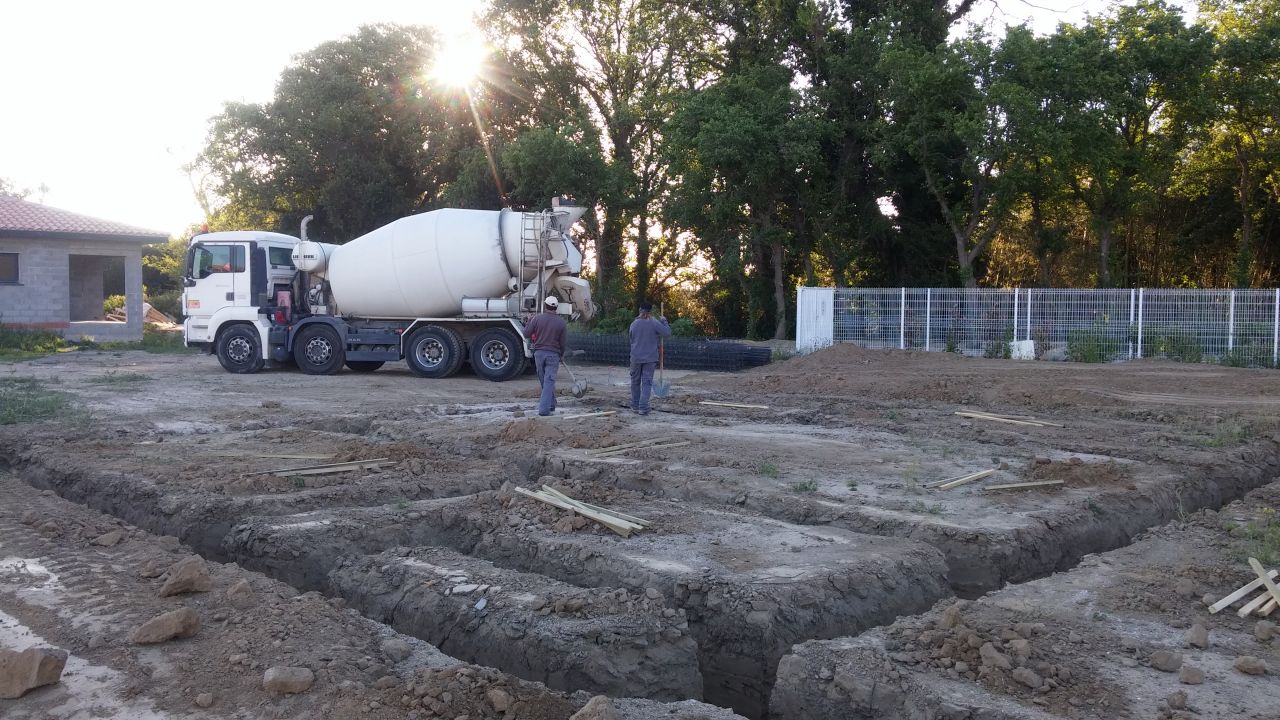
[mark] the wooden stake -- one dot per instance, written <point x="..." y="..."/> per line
<point x="733" y="405"/>
<point x="624" y="451"/>
<point x="965" y="480"/>
<point x="1254" y="604"/>
<point x="978" y="416"/>
<point x="331" y="470"/>
<point x="1042" y="483"/>
<point x="293" y="457"/>
<point x="1269" y="608"/>
<point x="1234" y="597"/>
<point x="317" y="467"/>
<point x="591" y="414"/>
<point x="650" y="441"/>
<point x="994" y="416"/>
<point x="618" y="525"/>
<point x="629" y="518"/>
<point x="1261" y="572"/>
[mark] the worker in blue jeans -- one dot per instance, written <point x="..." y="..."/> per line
<point x="646" y="333"/>
<point x="548" y="332"/>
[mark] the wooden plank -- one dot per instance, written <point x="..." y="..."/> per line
<point x="1261" y="572"/>
<point x="966" y="479"/>
<point x="621" y="528"/>
<point x="332" y="470"/>
<point x="650" y="441"/>
<point x="943" y="481"/>
<point x="629" y="518"/>
<point x="587" y="415"/>
<point x="996" y="416"/>
<point x="294" y="457"/>
<point x="733" y="405"/>
<point x="1011" y="421"/>
<point x="1041" y="483"/>
<point x="624" y="451"/>
<point x="317" y="467"/>
<point x="1269" y="608"/>
<point x="1254" y="604"/>
<point x="1234" y="597"/>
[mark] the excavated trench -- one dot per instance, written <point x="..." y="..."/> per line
<point x="704" y="611"/>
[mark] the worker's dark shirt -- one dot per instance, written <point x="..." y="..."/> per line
<point x="644" y="338"/>
<point x="547" y="331"/>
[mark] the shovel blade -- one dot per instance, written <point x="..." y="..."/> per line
<point x="661" y="389"/>
<point x="579" y="389"/>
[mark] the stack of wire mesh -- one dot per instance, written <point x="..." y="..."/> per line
<point x="681" y="353"/>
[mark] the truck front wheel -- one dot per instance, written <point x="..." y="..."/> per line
<point x="433" y="352"/>
<point x="497" y="354"/>
<point x="318" y="350"/>
<point x="239" y="350"/>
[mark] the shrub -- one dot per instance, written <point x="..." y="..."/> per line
<point x="1092" y="346"/>
<point x="1179" y="346"/>
<point x="684" y="327"/>
<point x="112" y="304"/>
<point x="169" y="303"/>
<point x="1243" y="356"/>
<point x="1001" y="349"/>
<point x="16" y="344"/>
<point x="1040" y="343"/>
<point x="28" y="400"/>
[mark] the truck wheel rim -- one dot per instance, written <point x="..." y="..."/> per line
<point x="495" y="355"/>
<point x="238" y="350"/>
<point x="318" y="351"/>
<point x="430" y="352"/>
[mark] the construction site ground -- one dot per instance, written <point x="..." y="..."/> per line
<point x="780" y="533"/>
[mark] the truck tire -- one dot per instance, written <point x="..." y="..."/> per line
<point x="318" y="350"/>
<point x="433" y="351"/>
<point x="364" y="366"/>
<point x="497" y="354"/>
<point x="239" y="349"/>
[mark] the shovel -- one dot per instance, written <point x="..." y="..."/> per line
<point x="579" y="387"/>
<point x="661" y="388"/>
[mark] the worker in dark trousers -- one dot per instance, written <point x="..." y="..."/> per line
<point x="547" y="331"/>
<point x="646" y="332"/>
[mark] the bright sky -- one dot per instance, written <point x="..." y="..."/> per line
<point x="105" y="101"/>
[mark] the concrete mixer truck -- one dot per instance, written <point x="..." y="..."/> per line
<point x="436" y="290"/>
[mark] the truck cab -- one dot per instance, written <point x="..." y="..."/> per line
<point x="232" y="285"/>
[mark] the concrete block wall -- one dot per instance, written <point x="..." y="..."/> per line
<point x="42" y="297"/>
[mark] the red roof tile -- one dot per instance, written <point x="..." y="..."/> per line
<point x="28" y="219"/>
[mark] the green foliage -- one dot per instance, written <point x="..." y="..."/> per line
<point x="112" y="303"/>
<point x="19" y="344"/>
<point x="1040" y="343"/>
<point x="616" y="322"/>
<point x="684" y="327"/>
<point x="851" y="484"/>
<point x="804" y="486"/>
<point x="24" y="400"/>
<point x="768" y="469"/>
<point x="169" y="303"/>
<point x="1093" y="346"/>
<point x="1261" y="538"/>
<point x="1000" y="349"/>
<point x="1246" y="355"/>
<point x="114" y="377"/>
<point x="1177" y="345"/>
<point x="1227" y="434"/>
<point x="953" y="344"/>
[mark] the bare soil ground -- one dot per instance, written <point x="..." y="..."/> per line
<point x="808" y="519"/>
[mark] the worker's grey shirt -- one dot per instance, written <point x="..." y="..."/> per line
<point x="644" y="339"/>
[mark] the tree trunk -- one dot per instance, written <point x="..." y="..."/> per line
<point x="642" y="260"/>
<point x="1104" y="254"/>
<point x="1244" y="193"/>
<point x="779" y="294"/>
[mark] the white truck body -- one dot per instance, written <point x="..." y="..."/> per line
<point x="434" y="289"/>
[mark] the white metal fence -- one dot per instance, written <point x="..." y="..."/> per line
<point x="1237" y="327"/>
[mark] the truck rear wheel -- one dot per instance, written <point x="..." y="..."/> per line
<point x="497" y="354"/>
<point x="364" y="366"/>
<point x="433" y="352"/>
<point x="318" y="350"/>
<point x="240" y="350"/>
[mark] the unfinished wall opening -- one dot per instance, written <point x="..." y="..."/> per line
<point x="91" y="281"/>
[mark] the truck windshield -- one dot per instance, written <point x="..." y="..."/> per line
<point x="210" y="259"/>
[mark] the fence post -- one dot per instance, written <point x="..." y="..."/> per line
<point x="1132" y="293"/>
<point x="902" y="321"/>
<point x="1231" y="322"/>
<point x="1275" y="331"/>
<point x="1015" y="314"/>
<point x="1028" y="337"/>
<point x="1139" y="323"/>
<point x="928" y="310"/>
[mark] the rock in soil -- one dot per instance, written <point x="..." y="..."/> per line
<point x="241" y="596"/>
<point x="288" y="679"/>
<point x="110" y="539"/>
<point x="597" y="708"/>
<point x="1177" y="700"/>
<point x="1190" y="675"/>
<point x="180" y="623"/>
<point x="1198" y="636"/>
<point x="1166" y="661"/>
<point x="1265" y="630"/>
<point x="187" y="575"/>
<point x="204" y="700"/>
<point x="396" y="649"/>
<point x="1250" y="665"/>
<point x="29" y="669"/>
